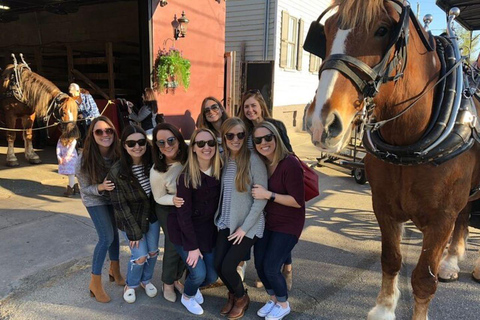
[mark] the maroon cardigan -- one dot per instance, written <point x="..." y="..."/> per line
<point x="191" y="226"/>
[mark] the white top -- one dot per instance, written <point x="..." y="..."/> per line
<point x="164" y="184"/>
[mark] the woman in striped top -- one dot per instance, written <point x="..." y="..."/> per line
<point x="131" y="200"/>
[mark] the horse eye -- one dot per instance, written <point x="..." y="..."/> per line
<point x="381" y="32"/>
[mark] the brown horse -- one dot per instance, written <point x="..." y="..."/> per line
<point x="431" y="196"/>
<point x="38" y="98"/>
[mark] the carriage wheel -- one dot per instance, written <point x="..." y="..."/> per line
<point x="359" y="176"/>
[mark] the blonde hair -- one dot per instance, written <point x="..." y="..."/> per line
<point x="242" y="160"/>
<point x="359" y="13"/>
<point x="261" y="102"/>
<point x="280" y="150"/>
<point x="191" y="169"/>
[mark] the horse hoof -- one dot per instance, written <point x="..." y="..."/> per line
<point x="453" y="278"/>
<point x="13" y="163"/>
<point x="35" y="161"/>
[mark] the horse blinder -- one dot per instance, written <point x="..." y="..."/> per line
<point x="316" y="42"/>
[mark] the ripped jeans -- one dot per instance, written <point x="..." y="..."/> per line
<point x="148" y="248"/>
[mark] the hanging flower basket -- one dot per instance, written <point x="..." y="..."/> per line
<point x="170" y="70"/>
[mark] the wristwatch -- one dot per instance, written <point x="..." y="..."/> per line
<point x="272" y="197"/>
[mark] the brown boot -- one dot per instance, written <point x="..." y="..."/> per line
<point x="76" y="189"/>
<point x="96" y="289"/>
<point x="114" y="273"/>
<point x="240" y="305"/>
<point x="229" y="305"/>
<point x="69" y="192"/>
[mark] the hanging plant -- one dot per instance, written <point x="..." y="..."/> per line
<point x="170" y="70"/>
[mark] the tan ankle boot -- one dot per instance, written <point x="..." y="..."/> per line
<point x="96" y="289"/>
<point x="69" y="192"/>
<point x="240" y="305"/>
<point x="114" y="273"/>
<point x="229" y="305"/>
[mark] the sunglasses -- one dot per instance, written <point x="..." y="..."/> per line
<point x="231" y="136"/>
<point x="253" y="91"/>
<point x="101" y="132"/>
<point x="267" y="138"/>
<point x="213" y="107"/>
<point x="132" y="143"/>
<point x="170" y="141"/>
<point x="202" y="143"/>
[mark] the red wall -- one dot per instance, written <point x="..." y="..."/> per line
<point x="204" y="46"/>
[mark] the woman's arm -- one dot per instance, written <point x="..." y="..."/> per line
<point x="184" y="217"/>
<point x="143" y="113"/>
<point x="259" y="192"/>
<point x="88" y="188"/>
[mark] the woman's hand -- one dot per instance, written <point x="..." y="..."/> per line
<point x="178" y="202"/>
<point x="106" y="185"/>
<point x="237" y="236"/>
<point x="60" y="161"/>
<point x="134" y="244"/>
<point x="260" y="193"/>
<point x="193" y="257"/>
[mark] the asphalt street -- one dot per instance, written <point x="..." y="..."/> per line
<point x="47" y="240"/>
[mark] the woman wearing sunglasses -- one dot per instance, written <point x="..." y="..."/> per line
<point x="212" y="115"/>
<point x="191" y="227"/>
<point x="169" y="155"/>
<point x="239" y="217"/>
<point x="133" y="210"/>
<point x="285" y="216"/>
<point x="101" y="150"/>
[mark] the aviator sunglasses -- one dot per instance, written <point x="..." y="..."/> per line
<point x="231" y="136"/>
<point x="202" y="143"/>
<point x="132" y="143"/>
<point x="170" y="141"/>
<point x="100" y="132"/>
<point x="267" y="138"/>
<point x="213" y="107"/>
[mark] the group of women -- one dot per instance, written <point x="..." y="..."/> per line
<point x="234" y="187"/>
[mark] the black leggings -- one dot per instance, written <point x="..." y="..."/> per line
<point x="227" y="258"/>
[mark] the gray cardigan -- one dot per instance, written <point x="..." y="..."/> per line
<point x="91" y="197"/>
<point x="246" y="212"/>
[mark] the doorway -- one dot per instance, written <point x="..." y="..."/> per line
<point x="259" y="75"/>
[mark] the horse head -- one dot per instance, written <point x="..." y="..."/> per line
<point x="67" y="108"/>
<point x="364" y="42"/>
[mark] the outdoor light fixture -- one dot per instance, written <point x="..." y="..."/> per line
<point x="180" y="26"/>
<point x="163" y="3"/>
<point x="2" y="7"/>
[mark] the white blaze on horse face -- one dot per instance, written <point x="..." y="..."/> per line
<point x="70" y="115"/>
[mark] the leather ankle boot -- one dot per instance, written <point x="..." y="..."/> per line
<point x="229" y="305"/>
<point x="76" y="189"/>
<point x="240" y="305"/>
<point x="114" y="273"/>
<point x="96" y="289"/>
<point x="69" y="192"/>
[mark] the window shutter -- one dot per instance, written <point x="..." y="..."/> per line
<point x="300" y="45"/>
<point x="312" y="67"/>
<point x="284" y="38"/>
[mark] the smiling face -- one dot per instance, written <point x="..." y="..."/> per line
<point x="164" y="139"/>
<point x="212" y="111"/>
<point x="265" y="148"/>
<point x="206" y="152"/>
<point x="134" y="147"/>
<point x="103" y="135"/>
<point x="252" y="110"/>
<point x="235" y="144"/>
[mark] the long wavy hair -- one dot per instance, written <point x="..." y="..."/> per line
<point x="93" y="163"/>
<point x="242" y="159"/>
<point x="280" y="150"/>
<point x="160" y="163"/>
<point x="202" y="121"/>
<point x="191" y="170"/>
<point x="149" y="100"/>
<point x="263" y="106"/>
<point x="126" y="161"/>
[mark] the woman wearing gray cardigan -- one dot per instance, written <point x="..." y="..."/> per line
<point x="239" y="217"/>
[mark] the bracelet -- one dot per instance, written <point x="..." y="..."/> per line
<point x="272" y="197"/>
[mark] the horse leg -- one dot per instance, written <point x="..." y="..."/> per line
<point x="12" y="160"/>
<point x="424" y="276"/>
<point x="391" y="263"/>
<point x="449" y="269"/>
<point x="30" y="154"/>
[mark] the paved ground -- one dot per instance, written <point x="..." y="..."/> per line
<point x="46" y="242"/>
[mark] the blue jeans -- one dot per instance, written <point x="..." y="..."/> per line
<point x="104" y="221"/>
<point x="148" y="248"/>
<point x="270" y="253"/>
<point x="202" y="275"/>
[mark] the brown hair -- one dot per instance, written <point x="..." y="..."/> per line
<point x="202" y="121"/>
<point x="280" y="150"/>
<point x="70" y="132"/>
<point x="160" y="164"/>
<point x="263" y="106"/>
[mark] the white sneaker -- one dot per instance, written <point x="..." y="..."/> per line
<point x="265" y="310"/>
<point x="150" y="289"/>
<point x="278" y="312"/>
<point x="241" y="270"/>
<point x="199" y="297"/>
<point x="129" y="295"/>
<point x="192" y="305"/>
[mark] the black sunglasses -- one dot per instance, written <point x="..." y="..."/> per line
<point x="231" y="136"/>
<point x="170" y="141"/>
<point x="267" y="138"/>
<point x="100" y="132"/>
<point x="202" y="143"/>
<point x="132" y="143"/>
<point x="213" y="107"/>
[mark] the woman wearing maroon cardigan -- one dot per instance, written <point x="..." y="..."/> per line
<point x="285" y="217"/>
<point x="191" y="227"/>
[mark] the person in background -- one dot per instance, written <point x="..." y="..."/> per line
<point x="285" y="216"/>
<point x="212" y="115"/>
<point x="100" y="151"/>
<point x="67" y="157"/>
<point x="146" y="115"/>
<point x="170" y="153"/>
<point x="239" y="217"/>
<point x="87" y="108"/>
<point x="191" y="227"/>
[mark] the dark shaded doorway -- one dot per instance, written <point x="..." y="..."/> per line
<point x="259" y="75"/>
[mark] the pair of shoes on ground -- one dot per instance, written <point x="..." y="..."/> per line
<point x="241" y="270"/>
<point x="273" y="311"/>
<point x="70" y="191"/>
<point x="193" y="304"/>
<point x="129" y="293"/>
<point x="170" y="295"/>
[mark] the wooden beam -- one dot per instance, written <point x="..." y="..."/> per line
<point x="111" y="71"/>
<point x="38" y="59"/>
<point x="70" y="65"/>
<point x="82" y="77"/>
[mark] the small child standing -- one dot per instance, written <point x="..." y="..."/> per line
<point x="67" y="156"/>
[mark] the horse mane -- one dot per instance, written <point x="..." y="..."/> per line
<point x="359" y="13"/>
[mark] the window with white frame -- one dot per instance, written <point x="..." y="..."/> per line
<point x="291" y="51"/>
<point x="315" y="63"/>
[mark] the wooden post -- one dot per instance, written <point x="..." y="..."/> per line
<point x="70" y="65"/>
<point x="111" y="71"/>
<point x="38" y="59"/>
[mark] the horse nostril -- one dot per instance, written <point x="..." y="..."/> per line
<point x="334" y="125"/>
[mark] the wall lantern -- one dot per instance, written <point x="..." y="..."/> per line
<point x="180" y="26"/>
<point x="163" y="3"/>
